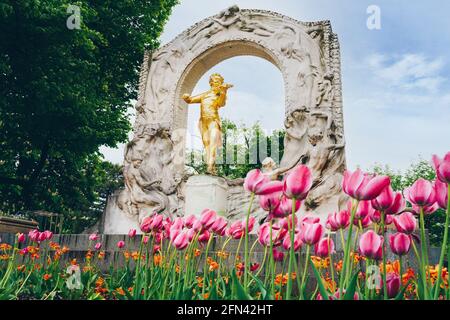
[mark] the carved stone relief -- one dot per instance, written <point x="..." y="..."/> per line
<point x="307" y="55"/>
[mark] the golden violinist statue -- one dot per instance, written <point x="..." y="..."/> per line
<point x="209" y="124"/>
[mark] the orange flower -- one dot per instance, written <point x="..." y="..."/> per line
<point x="338" y="266"/>
<point x="157" y="260"/>
<point x="101" y="255"/>
<point x="357" y="258"/>
<point x="73" y="262"/>
<point x="120" y="291"/>
<point x="206" y="296"/>
<point x="89" y="255"/>
<point x="278" y="296"/>
<point x="409" y="274"/>
<point x="65" y="249"/>
<point x="320" y="263"/>
<point x="197" y="252"/>
<point x="126" y="254"/>
<point x="213" y="266"/>
<point x="5" y="247"/>
<point x="330" y="284"/>
<point x="4" y="257"/>
<point x="21" y="267"/>
<point x="223" y="254"/>
<point x="99" y="282"/>
<point x="199" y="281"/>
<point x="135" y="255"/>
<point x="54" y="245"/>
<point x="47" y="276"/>
<point x="177" y="269"/>
<point x="391" y="267"/>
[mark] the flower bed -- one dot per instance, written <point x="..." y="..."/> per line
<point x="207" y="257"/>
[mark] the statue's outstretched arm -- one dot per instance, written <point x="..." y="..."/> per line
<point x="192" y="99"/>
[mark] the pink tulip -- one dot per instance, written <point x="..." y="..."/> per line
<point x="204" y="236"/>
<point x="400" y="243"/>
<point x="157" y="222"/>
<point x="298" y="183"/>
<point x="338" y="220"/>
<point x="20" y="237"/>
<point x="237" y="229"/>
<point x="190" y="220"/>
<point x="94" y="237"/>
<point x="34" y="235"/>
<point x="48" y="234"/>
<point x="42" y="236"/>
<point x="297" y="242"/>
<point x="120" y="244"/>
<point x="207" y="218"/>
<point x="270" y="202"/>
<point x="364" y="209"/>
<point x="361" y="186"/>
<point x="427" y="210"/>
<point x="285" y="207"/>
<point x="393" y="284"/>
<point x="311" y="233"/>
<point x="405" y="223"/>
<point x="145" y="239"/>
<point x="384" y="200"/>
<point x="441" y="191"/>
<point x="219" y="226"/>
<point x="286" y="223"/>
<point x="365" y="222"/>
<point x="145" y="225"/>
<point x="324" y="248"/>
<point x="258" y="183"/>
<point x="376" y="218"/>
<point x="370" y="245"/>
<point x="98" y="245"/>
<point x="278" y="233"/>
<point x="421" y="193"/>
<point x="309" y="219"/>
<point x="277" y="255"/>
<point x="442" y="167"/>
<point x="398" y="205"/>
<point x="181" y="240"/>
<point x="175" y="228"/>
<point x="132" y="233"/>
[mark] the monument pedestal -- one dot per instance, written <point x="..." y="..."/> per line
<point x="205" y="192"/>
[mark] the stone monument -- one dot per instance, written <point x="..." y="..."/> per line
<point x="308" y="57"/>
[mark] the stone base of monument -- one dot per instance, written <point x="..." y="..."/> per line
<point x="206" y="192"/>
<point x="114" y="220"/>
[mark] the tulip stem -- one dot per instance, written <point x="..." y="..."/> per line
<point x="305" y="270"/>
<point x="444" y="245"/>
<point x="205" y="267"/>
<point x="246" y="256"/>
<point x="424" y="253"/>
<point x="291" y="251"/>
<point x="384" y="256"/>
<point x="347" y="249"/>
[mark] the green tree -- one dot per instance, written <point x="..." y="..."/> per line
<point x="64" y="93"/>
<point x="435" y="222"/>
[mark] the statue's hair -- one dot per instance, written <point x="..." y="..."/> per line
<point x="215" y="75"/>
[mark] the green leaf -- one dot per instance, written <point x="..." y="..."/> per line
<point x="402" y="292"/>
<point x="322" y="289"/>
<point x="241" y="294"/>
<point x="265" y="295"/>
<point x="351" y="289"/>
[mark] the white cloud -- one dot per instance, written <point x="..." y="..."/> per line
<point x="408" y="71"/>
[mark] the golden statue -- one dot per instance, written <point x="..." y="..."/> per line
<point x="209" y="123"/>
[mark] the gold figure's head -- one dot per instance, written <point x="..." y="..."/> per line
<point x="215" y="80"/>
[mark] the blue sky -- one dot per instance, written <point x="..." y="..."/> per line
<point x="396" y="81"/>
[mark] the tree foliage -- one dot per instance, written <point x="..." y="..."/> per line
<point x="64" y="93"/>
